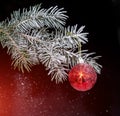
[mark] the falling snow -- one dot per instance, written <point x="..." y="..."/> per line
<point x="34" y="94"/>
<point x="26" y="95"/>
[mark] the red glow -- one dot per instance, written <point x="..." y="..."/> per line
<point x="82" y="77"/>
<point x="33" y="94"/>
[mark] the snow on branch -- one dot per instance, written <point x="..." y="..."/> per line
<point x="37" y="35"/>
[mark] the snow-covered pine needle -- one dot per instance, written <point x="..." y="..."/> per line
<point x="37" y="35"/>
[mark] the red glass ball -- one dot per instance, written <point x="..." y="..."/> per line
<point x="82" y="77"/>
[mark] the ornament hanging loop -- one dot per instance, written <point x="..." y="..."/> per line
<point x="79" y="48"/>
<point x="80" y="59"/>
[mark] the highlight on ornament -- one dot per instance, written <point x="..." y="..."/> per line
<point x="36" y="35"/>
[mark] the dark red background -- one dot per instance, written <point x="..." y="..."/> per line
<point x="33" y="94"/>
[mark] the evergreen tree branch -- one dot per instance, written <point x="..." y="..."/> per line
<point x="37" y="17"/>
<point x="20" y="58"/>
<point x="37" y="35"/>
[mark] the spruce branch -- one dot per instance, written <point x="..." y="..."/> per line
<point x="37" y="17"/>
<point x="37" y="35"/>
<point x="71" y="36"/>
<point x="92" y="61"/>
<point x="20" y="58"/>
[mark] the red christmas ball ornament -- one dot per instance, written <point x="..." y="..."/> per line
<point x="82" y="77"/>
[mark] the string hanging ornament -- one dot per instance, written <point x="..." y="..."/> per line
<point x="37" y="35"/>
<point x="82" y="76"/>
